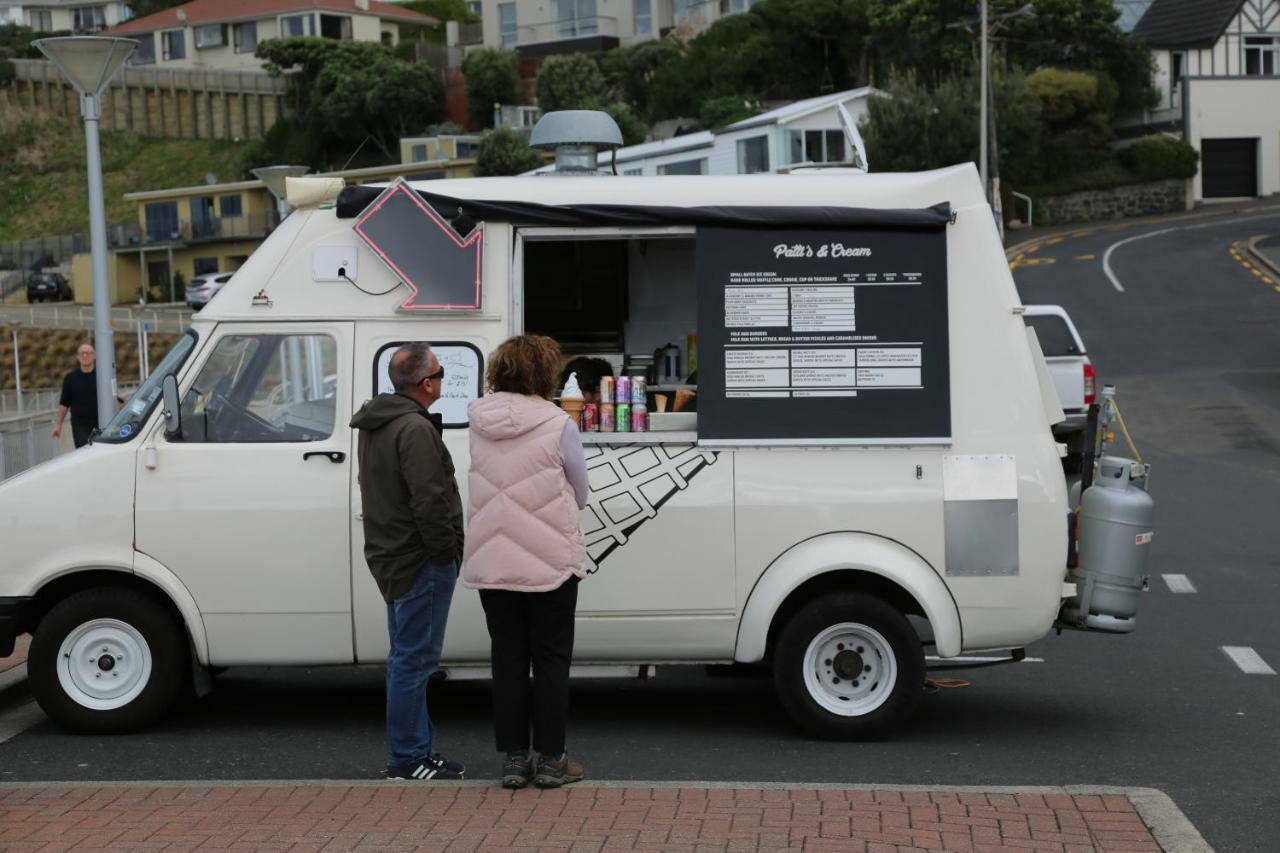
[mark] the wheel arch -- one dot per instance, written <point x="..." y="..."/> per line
<point x="845" y="561"/>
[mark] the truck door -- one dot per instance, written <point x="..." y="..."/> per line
<point x="249" y="505"/>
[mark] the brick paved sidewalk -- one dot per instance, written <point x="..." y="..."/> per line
<point x="477" y="817"/>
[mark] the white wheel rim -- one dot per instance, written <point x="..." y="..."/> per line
<point x="850" y="669"/>
<point x="104" y="664"/>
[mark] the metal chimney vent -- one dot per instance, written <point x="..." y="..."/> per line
<point x="577" y="136"/>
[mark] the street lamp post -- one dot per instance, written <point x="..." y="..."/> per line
<point x="89" y="62"/>
<point x="982" y="132"/>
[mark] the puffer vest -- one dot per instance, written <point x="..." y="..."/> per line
<point x="523" y="532"/>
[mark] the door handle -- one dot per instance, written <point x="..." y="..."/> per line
<point x="337" y="457"/>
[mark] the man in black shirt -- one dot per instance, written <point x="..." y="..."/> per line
<point x="80" y="397"/>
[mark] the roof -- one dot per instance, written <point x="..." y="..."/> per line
<point x="200" y="12"/>
<point x="800" y="109"/>
<point x="1186" y="23"/>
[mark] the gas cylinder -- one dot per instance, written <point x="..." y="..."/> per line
<point x="1115" y="530"/>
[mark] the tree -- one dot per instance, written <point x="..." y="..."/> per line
<point x="1075" y="114"/>
<point x="629" y="71"/>
<point x="493" y="77"/>
<point x="571" y="82"/>
<point x="725" y="110"/>
<point x="633" y="129"/>
<point x="350" y="93"/>
<point x="505" y="152"/>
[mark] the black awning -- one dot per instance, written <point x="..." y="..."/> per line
<point x="462" y="212"/>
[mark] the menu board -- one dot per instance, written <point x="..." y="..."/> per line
<point x="823" y="336"/>
<point x="461" y="383"/>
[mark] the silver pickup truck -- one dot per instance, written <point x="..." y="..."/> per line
<point x="1070" y="367"/>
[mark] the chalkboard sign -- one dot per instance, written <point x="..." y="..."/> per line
<point x="441" y="268"/>
<point x="820" y="336"/>
<point x="463" y="372"/>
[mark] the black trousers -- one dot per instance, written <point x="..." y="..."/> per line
<point x="80" y="432"/>
<point x="531" y="629"/>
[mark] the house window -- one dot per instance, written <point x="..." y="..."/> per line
<point x="210" y="35"/>
<point x="817" y="146"/>
<point x="418" y="154"/>
<point x="644" y="17"/>
<point x="1261" y="57"/>
<point x="203" y="223"/>
<point x="230" y="206"/>
<point x="336" y="27"/>
<point x="753" y="155"/>
<point x="684" y="167"/>
<point x="146" y="51"/>
<point x="297" y="25"/>
<point x="475" y="7"/>
<point x="683" y="11"/>
<point x="633" y="171"/>
<point x="1176" y="70"/>
<point x="576" y="18"/>
<point x="464" y="149"/>
<point x="162" y="221"/>
<point x="40" y="20"/>
<point x="507" y="23"/>
<point x="733" y="7"/>
<point x="174" y="43"/>
<point x="246" y="37"/>
<point x="88" y="19"/>
<point x="205" y="265"/>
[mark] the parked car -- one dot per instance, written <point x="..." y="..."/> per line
<point x="1070" y="367"/>
<point x="48" y="287"/>
<point x="204" y="287"/>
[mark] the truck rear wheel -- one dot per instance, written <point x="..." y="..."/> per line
<point x="107" y="660"/>
<point x="849" y="667"/>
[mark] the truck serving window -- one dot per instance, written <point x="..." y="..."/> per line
<point x="129" y="420"/>
<point x="264" y="388"/>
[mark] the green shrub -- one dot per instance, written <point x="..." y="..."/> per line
<point x="726" y="109"/>
<point x="504" y="151"/>
<point x="1157" y="157"/>
<point x="7" y="73"/>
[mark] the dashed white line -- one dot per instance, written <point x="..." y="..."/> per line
<point x="1179" y="583"/>
<point x="1249" y="661"/>
<point x="21" y="718"/>
<point x="979" y="659"/>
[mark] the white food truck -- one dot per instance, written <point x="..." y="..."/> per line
<point x="870" y="470"/>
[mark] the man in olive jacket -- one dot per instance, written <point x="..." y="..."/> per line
<point x="413" y="545"/>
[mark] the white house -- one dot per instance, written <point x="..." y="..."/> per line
<point x="807" y="131"/>
<point x="78" y="16"/>
<point x="223" y="34"/>
<point x="1218" y="75"/>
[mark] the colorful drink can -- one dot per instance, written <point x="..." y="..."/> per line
<point x="606" y="389"/>
<point x="622" y="413"/>
<point x="623" y="394"/>
<point x="606" y="417"/>
<point x="590" y="418"/>
<point x="638" y="391"/>
<point x="639" y="418"/>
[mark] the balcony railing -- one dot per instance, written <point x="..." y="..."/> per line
<point x="249" y="227"/>
<point x="569" y="28"/>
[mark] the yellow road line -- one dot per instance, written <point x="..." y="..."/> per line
<point x="1086" y="257"/>
<point x="1053" y="241"/>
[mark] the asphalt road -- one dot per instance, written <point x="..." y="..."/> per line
<point x="1193" y="344"/>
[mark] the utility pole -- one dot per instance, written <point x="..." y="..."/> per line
<point x="982" y="131"/>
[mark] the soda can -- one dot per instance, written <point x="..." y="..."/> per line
<point x="639" y="418"/>
<point x="638" y="391"/>
<point x="606" y="417"/>
<point x="622" y="417"/>
<point x="606" y="389"/>
<point x="623" y="392"/>
<point x="590" y="418"/>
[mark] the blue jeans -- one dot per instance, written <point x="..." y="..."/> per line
<point x="415" y="624"/>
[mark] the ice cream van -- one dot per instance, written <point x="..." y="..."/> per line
<point x="869" y="469"/>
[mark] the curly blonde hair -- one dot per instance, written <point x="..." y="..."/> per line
<point x="525" y="364"/>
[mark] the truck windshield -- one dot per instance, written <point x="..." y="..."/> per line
<point x="129" y="420"/>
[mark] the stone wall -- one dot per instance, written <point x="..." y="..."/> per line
<point x="1147" y="199"/>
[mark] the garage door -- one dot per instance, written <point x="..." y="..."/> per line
<point x="1229" y="167"/>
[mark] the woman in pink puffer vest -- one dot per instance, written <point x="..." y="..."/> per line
<point x="524" y="552"/>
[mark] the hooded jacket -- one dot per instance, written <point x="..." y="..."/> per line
<point x="411" y="506"/>
<point x="522" y="516"/>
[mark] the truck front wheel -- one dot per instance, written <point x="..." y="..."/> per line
<point x="107" y="660"/>
<point x="849" y="667"/>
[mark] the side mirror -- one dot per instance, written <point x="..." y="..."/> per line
<point x="172" y="407"/>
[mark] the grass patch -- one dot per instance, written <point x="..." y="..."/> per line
<point x="44" y="184"/>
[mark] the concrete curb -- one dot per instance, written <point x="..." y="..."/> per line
<point x="1118" y="224"/>
<point x="1169" y="826"/>
<point x="1260" y="257"/>
<point x="13" y="685"/>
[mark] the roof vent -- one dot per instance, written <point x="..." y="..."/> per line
<point x="577" y="137"/>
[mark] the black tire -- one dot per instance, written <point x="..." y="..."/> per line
<point x="160" y="631"/>
<point x="898" y="701"/>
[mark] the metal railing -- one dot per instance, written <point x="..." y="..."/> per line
<point x="26" y="441"/>
<point x="39" y="400"/>
<point x="568" y="28"/>
<point x="70" y="315"/>
<point x="251" y="226"/>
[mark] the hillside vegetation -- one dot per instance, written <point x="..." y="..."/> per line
<point x="43" y="183"/>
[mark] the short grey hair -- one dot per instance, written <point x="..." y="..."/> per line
<point x="409" y="365"/>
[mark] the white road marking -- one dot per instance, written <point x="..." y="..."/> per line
<point x="978" y="659"/>
<point x="1106" y="257"/>
<point x="18" y="720"/>
<point x="1179" y="583"/>
<point x="1249" y="661"/>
